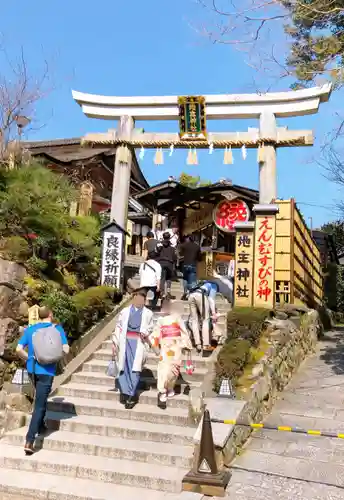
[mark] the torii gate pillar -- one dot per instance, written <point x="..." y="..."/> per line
<point x="122" y="172"/>
<point x="267" y="167"/>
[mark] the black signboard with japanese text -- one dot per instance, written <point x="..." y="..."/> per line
<point x="112" y="256"/>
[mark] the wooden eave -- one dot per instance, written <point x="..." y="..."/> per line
<point x="166" y="196"/>
<point x="68" y="152"/>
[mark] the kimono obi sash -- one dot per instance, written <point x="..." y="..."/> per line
<point x="170" y="331"/>
<point x="133" y="335"/>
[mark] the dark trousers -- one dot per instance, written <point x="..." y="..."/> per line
<point x="42" y="384"/>
<point x="166" y="277"/>
<point x="155" y="297"/>
<point x="189" y="276"/>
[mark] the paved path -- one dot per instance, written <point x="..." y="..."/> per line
<point x="293" y="466"/>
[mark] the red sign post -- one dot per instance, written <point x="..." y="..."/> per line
<point x="264" y="280"/>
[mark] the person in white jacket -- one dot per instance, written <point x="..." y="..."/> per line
<point x="150" y="277"/>
<point x="130" y="344"/>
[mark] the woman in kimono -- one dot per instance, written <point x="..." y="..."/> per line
<point x="168" y="340"/>
<point x="133" y="328"/>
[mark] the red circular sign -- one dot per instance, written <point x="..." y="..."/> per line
<point x="227" y="213"/>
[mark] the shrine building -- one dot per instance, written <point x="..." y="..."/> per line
<point x="276" y="258"/>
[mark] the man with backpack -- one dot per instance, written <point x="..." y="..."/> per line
<point x="167" y="258"/>
<point x="150" y="276"/>
<point x="46" y="344"/>
<point x="203" y="313"/>
<point x="150" y="245"/>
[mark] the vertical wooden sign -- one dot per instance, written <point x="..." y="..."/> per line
<point x="244" y="264"/>
<point x="264" y="256"/>
<point x="33" y="315"/>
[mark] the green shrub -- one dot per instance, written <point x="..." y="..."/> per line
<point x="64" y="310"/>
<point x="244" y="329"/>
<point x="93" y="304"/>
<point x="35" y="266"/>
<point x="15" y="248"/>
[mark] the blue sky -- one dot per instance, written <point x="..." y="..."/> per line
<point x="132" y="47"/>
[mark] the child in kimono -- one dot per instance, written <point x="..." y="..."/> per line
<point x="169" y="338"/>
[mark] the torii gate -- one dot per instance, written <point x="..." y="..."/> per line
<point x="265" y="107"/>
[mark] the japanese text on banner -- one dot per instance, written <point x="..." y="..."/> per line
<point x="265" y="242"/>
<point x="112" y="259"/>
<point x="244" y="268"/>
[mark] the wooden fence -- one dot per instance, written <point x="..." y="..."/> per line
<point x="298" y="268"/>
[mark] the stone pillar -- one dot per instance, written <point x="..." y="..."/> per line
<point x="121" y="178"/>
<point x="264" y="256"/>
<point x="244" y="264"/>
<point x="267" y="168"/>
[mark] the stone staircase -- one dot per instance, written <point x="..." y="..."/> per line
<point x="95" y="449"/>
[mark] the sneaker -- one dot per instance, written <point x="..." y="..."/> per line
<point x="170" y="394"/>
<point x="29" y="449"/>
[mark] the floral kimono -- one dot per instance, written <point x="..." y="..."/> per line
<point x="171" y="336"/>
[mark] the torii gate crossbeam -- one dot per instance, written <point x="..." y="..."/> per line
<point x="266" y="107"/>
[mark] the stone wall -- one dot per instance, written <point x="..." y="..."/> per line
<point x="13" y="314"/>
<point x="292" y="335"/>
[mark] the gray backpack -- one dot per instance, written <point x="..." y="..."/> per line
<point x="47" y="345"/>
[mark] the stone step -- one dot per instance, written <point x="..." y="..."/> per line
<point x="221" y="322"/>
<point x="126" y="429"/>
<point x="39" y="486"/>
<point x="150" y="370"/>
<point x="105" y="354"/>
<point x="113" y="409"/>
<point x="108" y="470"/>
<point x="295" y="468"/>
<point x="104" y="393"/>
<point x="104" y="446"/>
<point x="305" y="422"/>
<point x="222" y="307"/>
<point x="320" y="450"/>
<point x="290" y="438"/>
<point x="147" y="380"/>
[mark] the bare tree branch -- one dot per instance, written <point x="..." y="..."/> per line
<point x="20" y="92"/>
